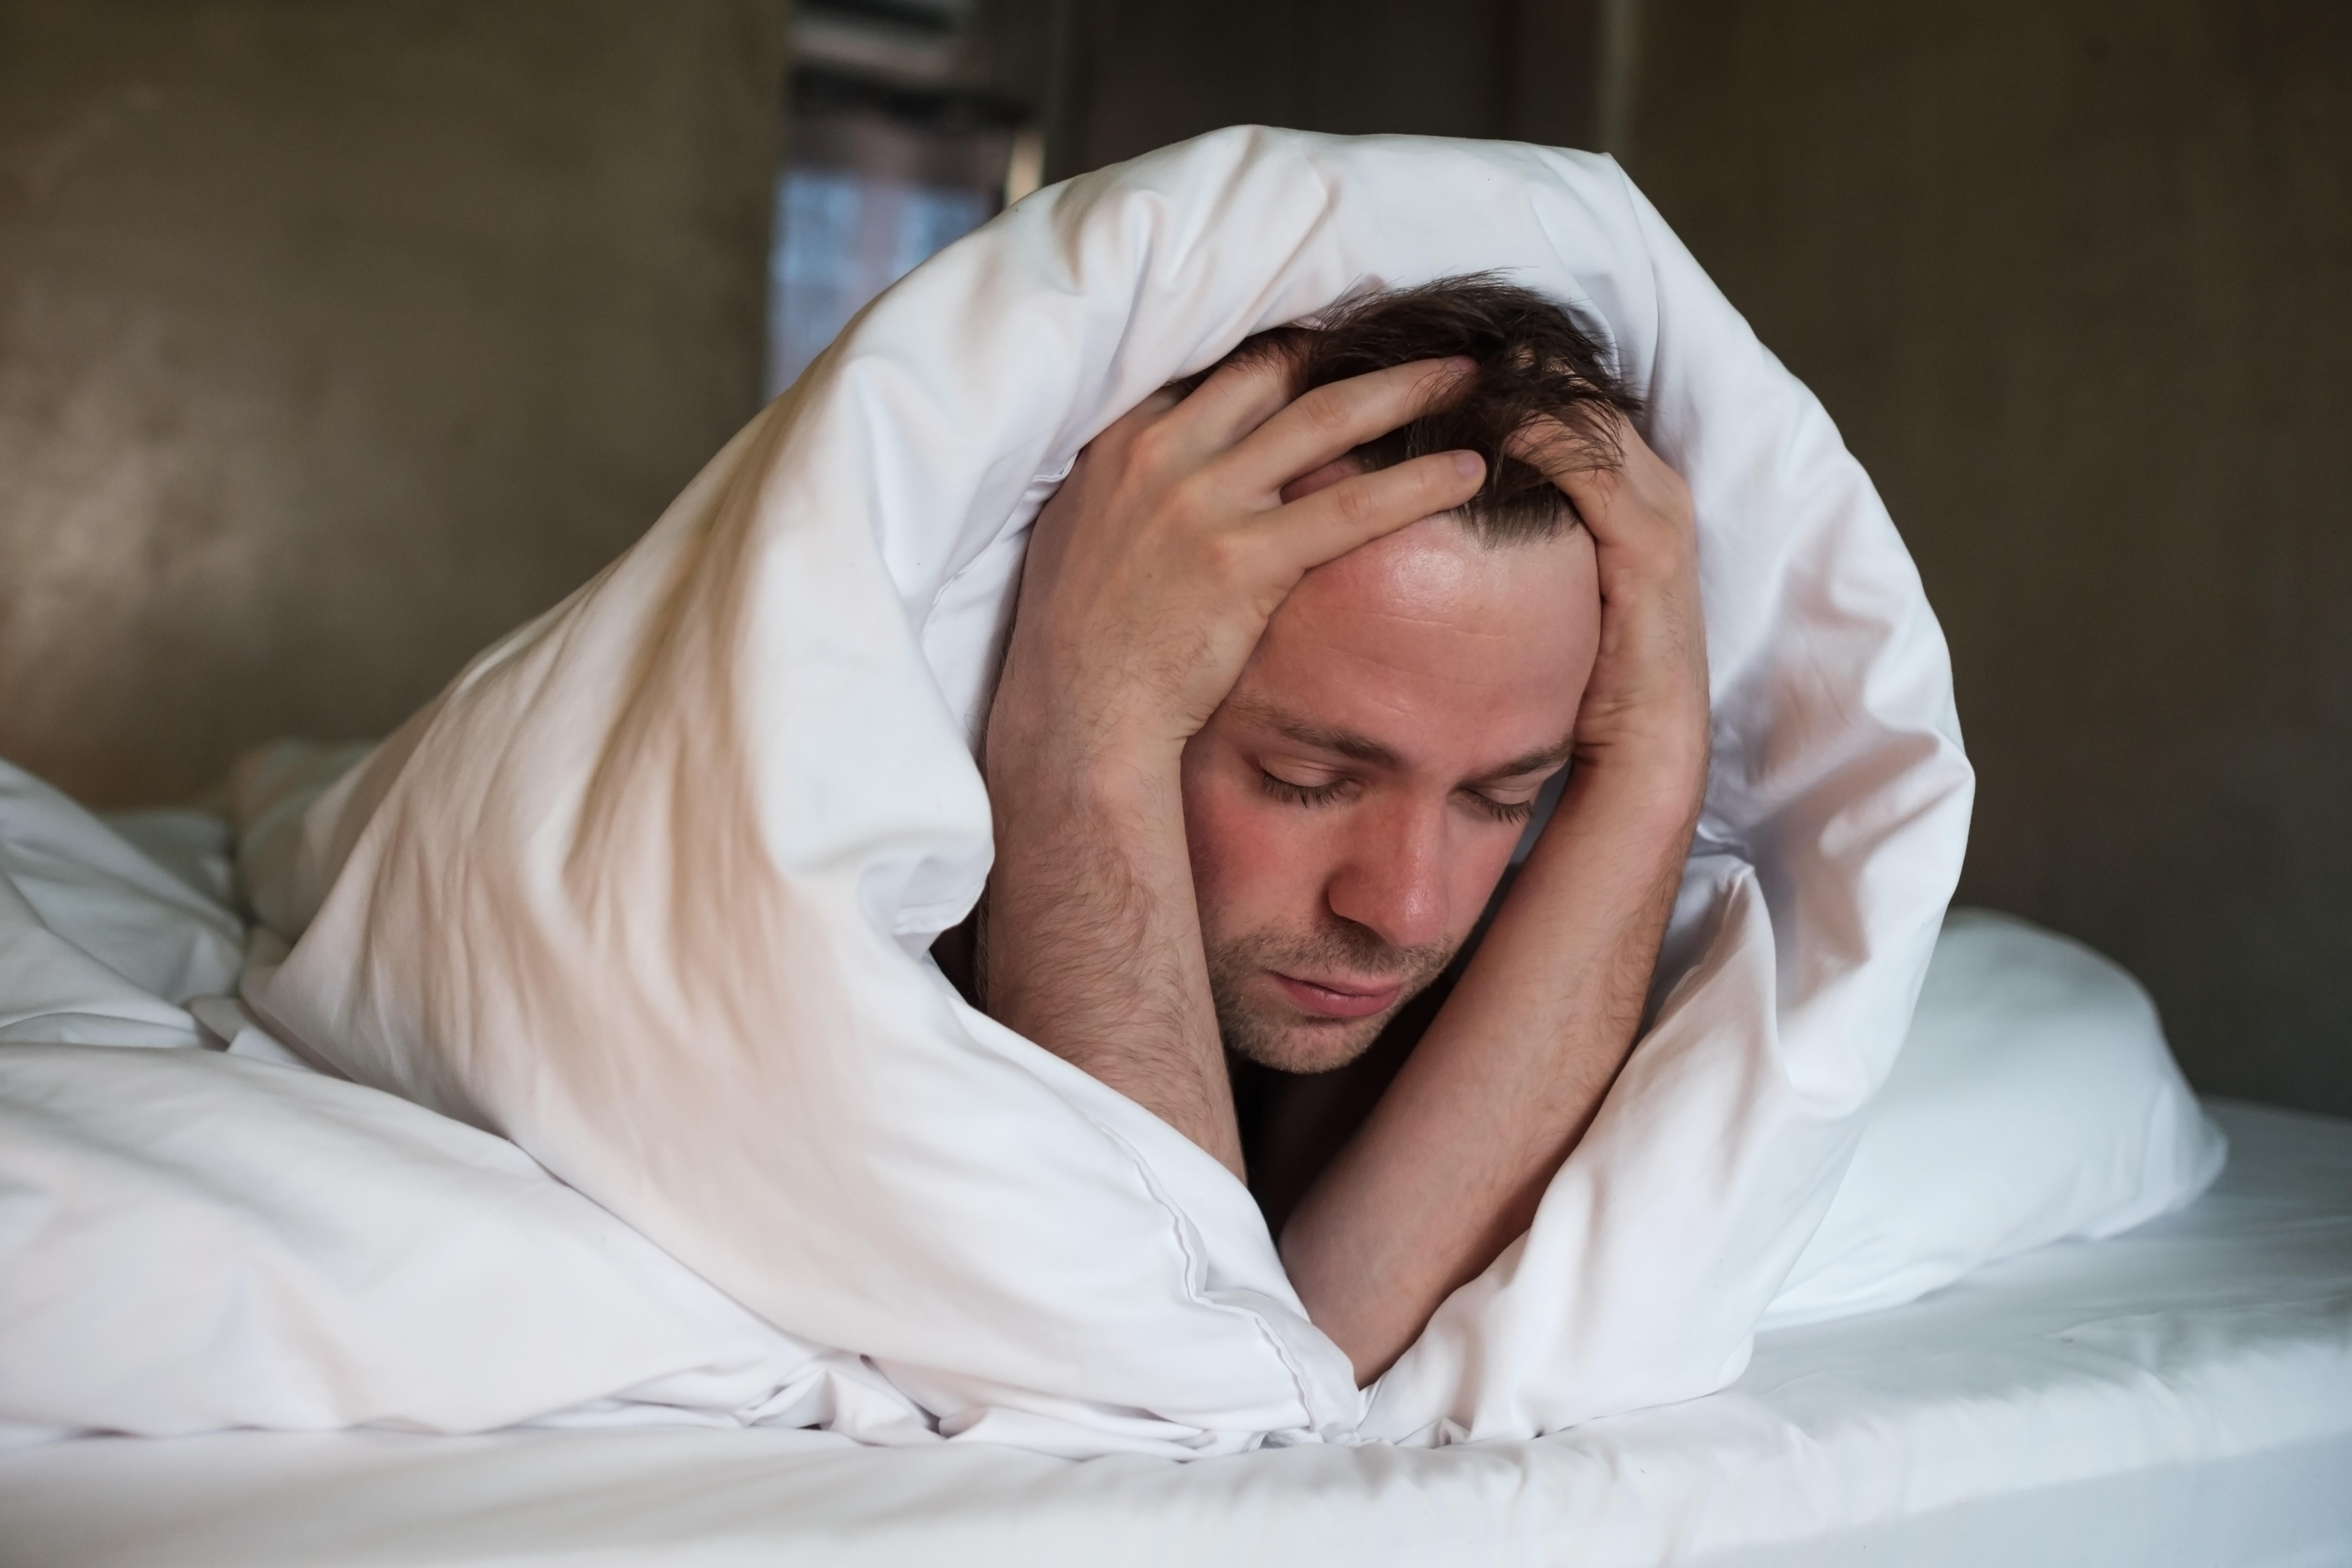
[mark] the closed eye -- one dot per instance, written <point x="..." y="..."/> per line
<point x="1500" y="810"/>
<point x="1298" y="794"/>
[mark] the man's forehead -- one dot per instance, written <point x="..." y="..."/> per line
<point x="1428" y="641"/>
<point x="1440" y="566"/>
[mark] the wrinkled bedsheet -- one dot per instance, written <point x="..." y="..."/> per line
<point x="2178" y="1397"/>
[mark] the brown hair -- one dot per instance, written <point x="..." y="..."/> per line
<point x="1533" y="361"/>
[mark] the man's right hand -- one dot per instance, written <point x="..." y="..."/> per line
<point x="1155" y="568"/>
<point x="1150" y="576"/>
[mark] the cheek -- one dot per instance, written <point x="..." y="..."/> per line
<point x="1256" y="862"/>
<point x="1479" y="866"/>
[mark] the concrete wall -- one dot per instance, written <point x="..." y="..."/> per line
<point x="2075" y="278"/>
<point x="337" y="338"/>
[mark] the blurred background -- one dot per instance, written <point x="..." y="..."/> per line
<point x="338" y="338"/>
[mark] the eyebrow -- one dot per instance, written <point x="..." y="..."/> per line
<point x="1322" y="737"/>
<point x="1362" y="748"/>
<point x="1539" y="761"/>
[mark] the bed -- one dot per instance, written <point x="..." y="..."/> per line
<point x="2180" y="1394"/>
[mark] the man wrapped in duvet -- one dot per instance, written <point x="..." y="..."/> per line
<point x="1297" y="647"/>
<point x="1301" y="631"/>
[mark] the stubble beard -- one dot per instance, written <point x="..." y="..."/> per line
<point x="1274" y="1035"/>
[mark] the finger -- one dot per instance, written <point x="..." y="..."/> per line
<point x="1334" y="419"/>
<point x="1337" y="518"/>
<point x="1330" y="473"/>
<point x="1239" y="398"/>
<point x="1615" y="498"/>
<point x="1111" y="442"/>
<point x="1554" y="449"/>
<point x="1567" y="459"/>
<point x="1597" y="495"/>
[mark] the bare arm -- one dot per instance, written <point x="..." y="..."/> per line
<point x="1089" y="942"/>
<point x="1450" y="1164"/>
<point x="1149" y="579"/>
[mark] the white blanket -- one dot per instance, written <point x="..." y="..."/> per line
<point x="648" y="888"/>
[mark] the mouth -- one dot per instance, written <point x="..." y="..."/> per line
<point x="1333" y="998"/>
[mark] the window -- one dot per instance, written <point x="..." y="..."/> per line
<point x="880" y="178"/>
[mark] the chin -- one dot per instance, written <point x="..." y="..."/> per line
<point x="1305" y="1048"/>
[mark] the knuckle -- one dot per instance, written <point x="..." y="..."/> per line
<point x="1356" y="502"/>
<point x="1326" y="412"/>
<point x="1439" y="476"/>
<point x="1223" y="559"/>
<point x="1194" y="500"/>
<point x="1153" y="447"/>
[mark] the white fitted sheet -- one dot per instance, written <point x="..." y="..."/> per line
<point x="2178" y="1395"/>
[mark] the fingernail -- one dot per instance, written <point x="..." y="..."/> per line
<point x="1468" y="464"/>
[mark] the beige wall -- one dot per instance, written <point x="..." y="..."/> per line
<point x="336" y="337"/>
<point x="2075" y="278"/>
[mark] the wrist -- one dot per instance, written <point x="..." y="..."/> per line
<point x="1654" y="790"/>
<point x="1054" y="772"/>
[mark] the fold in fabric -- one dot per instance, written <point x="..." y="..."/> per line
<point x="648" y="888"/>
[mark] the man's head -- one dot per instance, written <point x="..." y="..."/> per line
<point x="1352" y="805"/>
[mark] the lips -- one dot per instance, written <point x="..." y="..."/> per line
<point x="1338" y="999"/>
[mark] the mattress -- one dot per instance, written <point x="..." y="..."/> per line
<point x="2180" y="1394"/>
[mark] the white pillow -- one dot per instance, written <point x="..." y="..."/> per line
<point x="2034" y="1101"/>
<point x="649" y="887"/>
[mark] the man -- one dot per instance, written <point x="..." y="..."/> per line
<point x="1296" y="648"/>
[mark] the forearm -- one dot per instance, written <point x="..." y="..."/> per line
<point x="1452" y="1162"/>
<point x="1090" y="942"/>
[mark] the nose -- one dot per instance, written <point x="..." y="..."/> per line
<point x="1393" y="880"/>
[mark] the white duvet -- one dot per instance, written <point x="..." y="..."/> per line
<point x="647" y="891"/>
<point x="209" y="1235"/>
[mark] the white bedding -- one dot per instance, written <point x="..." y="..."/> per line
<point x="2180" y="1396"/>
<point x="193" y="1241"/>
<point x="649" y="889"/>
